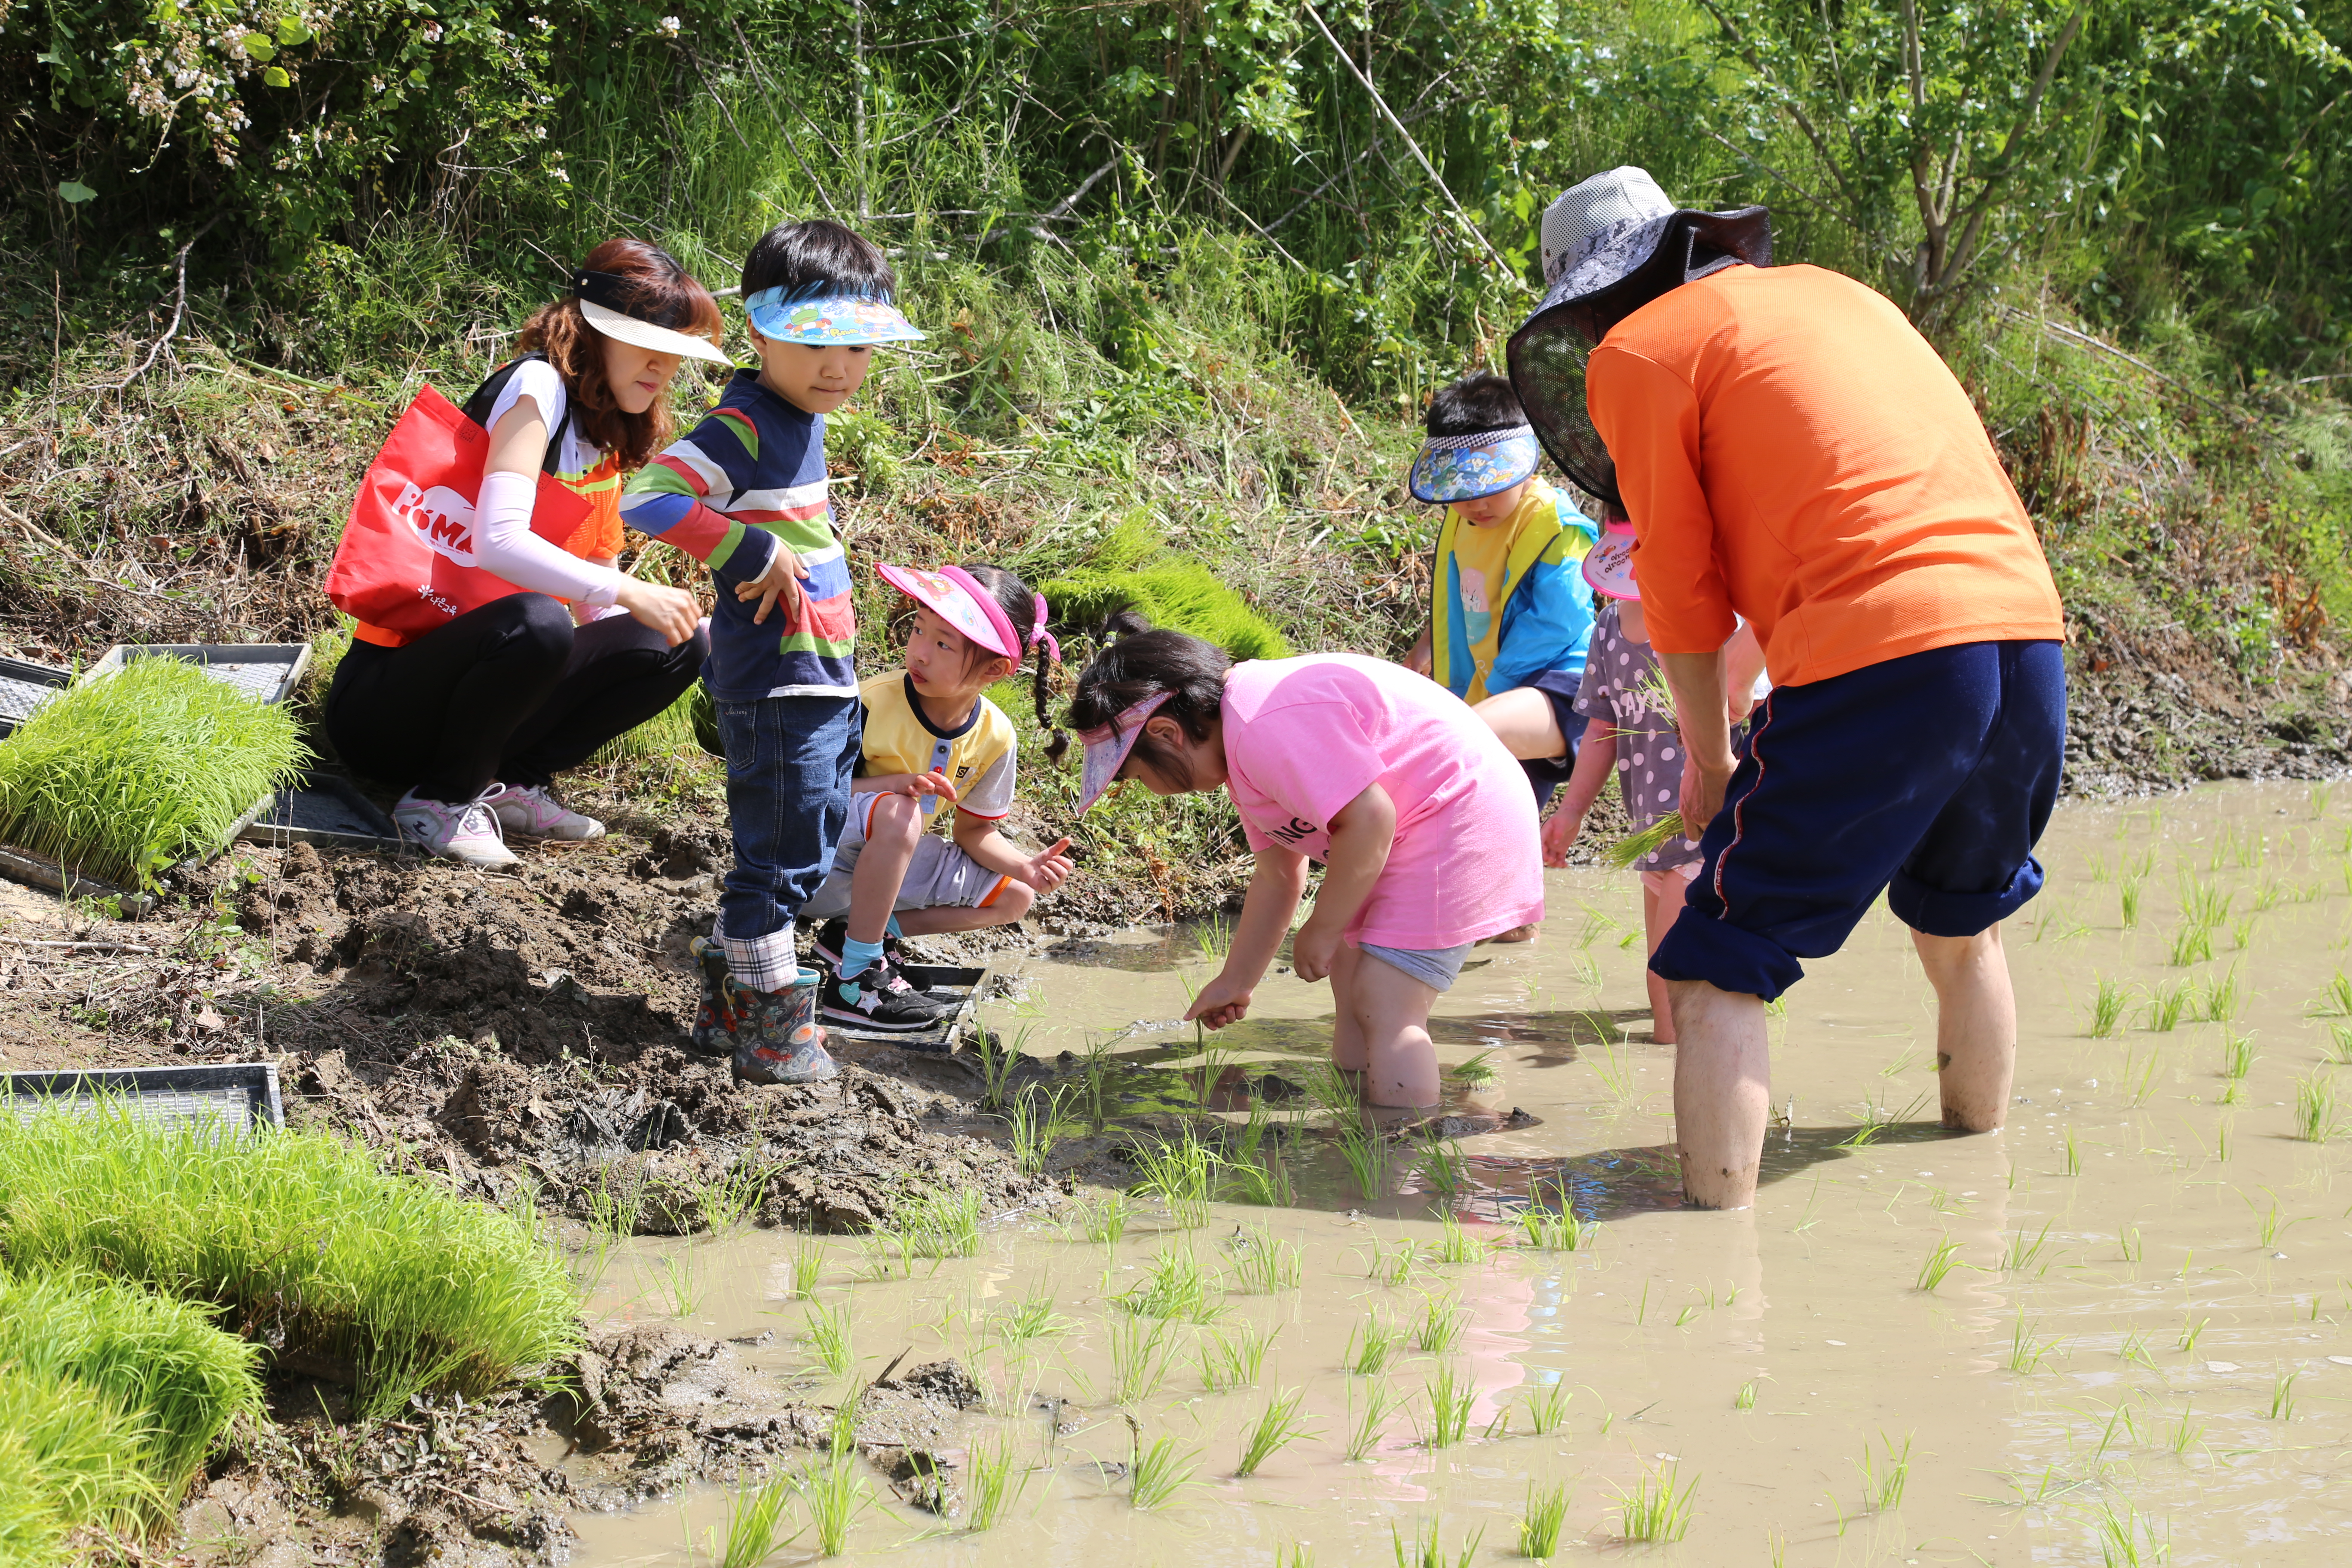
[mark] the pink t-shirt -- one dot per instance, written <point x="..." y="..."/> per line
<point x="1305" y="736"/>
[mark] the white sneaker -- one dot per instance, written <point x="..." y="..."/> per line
<point x="528" y="810"/>
<point x="466" y="833"/>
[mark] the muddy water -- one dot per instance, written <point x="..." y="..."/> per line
<point x="2140" y="1345"/>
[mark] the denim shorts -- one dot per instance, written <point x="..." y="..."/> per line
<point x="1930" y="776"/>
<point x="1435" y="967"/>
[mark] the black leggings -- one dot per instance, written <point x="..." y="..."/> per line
<point x="511" y="691"/>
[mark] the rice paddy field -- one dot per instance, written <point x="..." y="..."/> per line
<point x="2112" y="1334"/>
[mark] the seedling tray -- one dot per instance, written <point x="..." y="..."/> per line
<point x="324" y="808"/>
<point x="268" y="671"/>
<point x="951" y="979"/>
<point x="40" y="871"/>
<point x="237" y="1096"/>
<point x="24" y="687"/>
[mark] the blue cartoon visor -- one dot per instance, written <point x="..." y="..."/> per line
<point x="1463" y="468"/>
<point x="826" y="320"/>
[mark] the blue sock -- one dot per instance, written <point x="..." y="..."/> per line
<point x="855" y="958"/>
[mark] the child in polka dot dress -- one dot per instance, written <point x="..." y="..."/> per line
<point x="1631" y="726"/>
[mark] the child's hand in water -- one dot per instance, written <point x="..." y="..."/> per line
<point x="778" y="586"/>
<point x="1222" y="1001"/>
<point x="1558" y="834"/>
<point x="1047" y="869"/>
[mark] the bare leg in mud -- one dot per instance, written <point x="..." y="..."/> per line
<point x="1723" y="1072"/>
<point x="1723" y="1092"/>
<point x="1975" y="1026"/>
<point x="1381" y="1029"/>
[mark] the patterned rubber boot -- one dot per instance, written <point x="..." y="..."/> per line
<point x="778" y="1040"/>
<point x="719" y="1012"/>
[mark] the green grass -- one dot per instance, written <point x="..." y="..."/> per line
<point x="1625" y="851"/>
<point x="1457" y="1246"/>
<point x="1884" y="1475"/>
<point x="1180" y="1173"/>
<point x="1939" y="1265"/>
<point x="1277" y="1426"/>
<point x="755" y="1523"/>
<point x="829" y="1340"/>
<point x="1157" y="1472"/>
<point x="160" y="1361"/>
<point x="2107" y="1008"/>
<point x="1658" y="1510"/>
<point x="2318" y="1119"/>
<point x="1450" y="1400"/>
<point x="995" y="1483"/>
<point x="1442" y="1324"/>
<point x="835" y="1494"/>
<point x="1139" y="1352"/>
<point x="1176" y="1287"/>
<point x="1105" y="1220"/>
<point x="1546" y="1404"/>
<point x="1373" y="1344"/>
<point x="935" y="1224"/>
<point x="2166" y="1004"/>
<point x="2339" y="1045"/>
<point x="69" y="1456"/>
<point x="122" y="777"/>
<point x="1178" y="592"/>
<point x="1423" y="1550"/>
<point x="2336" y="1000"/>
<point x="1262" y="1263"/>
<point x="299" y="1233"/>
<point x="1366" y="1426"/>
<point x="1233" y="1360"/>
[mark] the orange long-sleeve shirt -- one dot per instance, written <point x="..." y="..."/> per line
<point x="1791" y="449"/>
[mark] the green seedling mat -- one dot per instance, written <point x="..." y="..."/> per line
<point x="241" y="1097"/>
<point x="266" y="671"/>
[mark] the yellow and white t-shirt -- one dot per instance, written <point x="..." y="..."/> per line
<point x="976" y="757"/>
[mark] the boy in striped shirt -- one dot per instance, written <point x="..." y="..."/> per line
<point x="745" y="493"/>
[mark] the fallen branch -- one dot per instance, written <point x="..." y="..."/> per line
<point x="2089" y="342"/>
<point x="179" y="306"/>
<point x="1419" y="156"/>
<point x="77" y="946"/>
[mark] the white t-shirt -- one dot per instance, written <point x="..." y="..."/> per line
<point x="543" y="385"/>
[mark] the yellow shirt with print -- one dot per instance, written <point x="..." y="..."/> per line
<point x="977" y="758"/>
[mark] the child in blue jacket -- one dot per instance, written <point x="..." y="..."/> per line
<point x="1509" y="611"/>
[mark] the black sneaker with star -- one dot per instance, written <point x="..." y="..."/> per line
<point x="877" y="998"/>
<point x="833" y="932"/>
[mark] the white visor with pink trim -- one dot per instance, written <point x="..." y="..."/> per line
<point x="1106" y="746"/>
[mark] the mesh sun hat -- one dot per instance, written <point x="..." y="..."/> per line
<point x="1612" y="244"/>
<point x="1464" y="467"/>
<point x="821" y="316"/>
<point x="1609" y="565"/>
<point x="621" y="310"/>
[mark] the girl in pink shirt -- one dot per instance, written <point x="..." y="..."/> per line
<point x="1421" y="816"/>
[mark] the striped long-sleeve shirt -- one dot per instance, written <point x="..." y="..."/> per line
<point x="750" y="476"/>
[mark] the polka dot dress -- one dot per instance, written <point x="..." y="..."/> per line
<point x="1614" y="695"/>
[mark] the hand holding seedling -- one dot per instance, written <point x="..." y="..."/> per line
<point x="1224" y="1000"/>
<point x="1048" y="868"/>
<point x="779" y="585"/>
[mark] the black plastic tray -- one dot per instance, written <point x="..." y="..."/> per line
<point x="268" y="671"/>
<point x="935" y="977"/>
<point x="240" y="1096"/>
<point x="324" y="808"/>
<point x="24" y="686"/>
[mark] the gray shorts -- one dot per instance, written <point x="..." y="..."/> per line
<point x="1435" y="967"/>
<point x="940" y="875"/>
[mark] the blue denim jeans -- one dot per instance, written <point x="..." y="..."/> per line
<point x="788" y="767"/>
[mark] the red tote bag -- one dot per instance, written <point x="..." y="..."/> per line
<point x="406" y="564"/>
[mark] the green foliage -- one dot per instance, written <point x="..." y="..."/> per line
<point x="297" y="1232"/>
<point x="67" y="1455"/>
<point x="122" y="777"/>
<point x="1182" y="595"/>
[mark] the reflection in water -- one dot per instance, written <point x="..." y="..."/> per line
<point x="2132" y="1271"/>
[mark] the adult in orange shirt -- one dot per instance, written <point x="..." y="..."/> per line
<point x="1791" y="450"/>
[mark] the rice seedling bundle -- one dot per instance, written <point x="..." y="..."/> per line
<point x="298" y="1235"/>
<point x="67" y="1453"/>
<point x="160" y="1360"/>
<point x="1634" y="846"/>
<point x="122" y="777"/>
